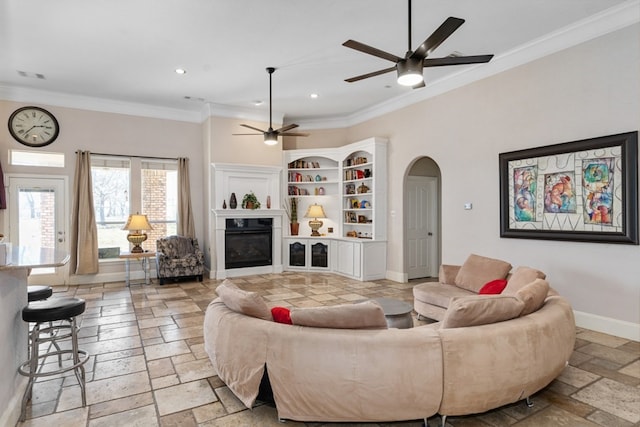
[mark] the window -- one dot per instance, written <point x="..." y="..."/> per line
<point x="36" y="158"/>
<point x="159" y="198"/>
<point x="129" y="185"/>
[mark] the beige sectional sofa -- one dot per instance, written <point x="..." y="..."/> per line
<point x="375" y="375"/>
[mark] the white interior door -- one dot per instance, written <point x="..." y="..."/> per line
<point x="37" y="218"/>
<point x="422" y="226"/>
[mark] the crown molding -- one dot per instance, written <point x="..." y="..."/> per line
<point x="231" y="112"/>
<point x="597" y="25"/>
<point x="59" y="99"/>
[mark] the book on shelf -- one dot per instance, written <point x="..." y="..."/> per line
<point x="297" y="191"/>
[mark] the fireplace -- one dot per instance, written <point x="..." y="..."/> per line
<point x="248" y="242"/>
<point x="254" y="236"/>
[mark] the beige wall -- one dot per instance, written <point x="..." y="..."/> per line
<point x="587" y="91"/>
<point x="110" y="133"/>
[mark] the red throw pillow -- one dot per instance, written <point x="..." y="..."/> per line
<point x="281" y="315"/>
<point x="492" y="287"/>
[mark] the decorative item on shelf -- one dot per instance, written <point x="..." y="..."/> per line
<point x="268" y="202"/>
<point x="350" y="189"/>
<point x="136" y="224"/>
<point x="315" y="211"/>
<point x="365" y="204"/>
<point x="224" y="204"/>
<point x="291" y="209"/>
<point x="318" y="178"/>
<point x="367" y="173"/>
<point x="321" y="191"/>
<point x="250" y="201"/>
<point x="362" y="189"/>
<point x="352" y="233"/>
<point x="233" y="202"/>
<point x="362" y="219"/>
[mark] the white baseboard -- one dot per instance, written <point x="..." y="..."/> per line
<point x="607" y="325"/>
<point x="11" y="414"/>
<point x="89" y="279"/>
<point x="397" y="276"/>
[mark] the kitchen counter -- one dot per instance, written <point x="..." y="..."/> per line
<point x="13" y="331"/>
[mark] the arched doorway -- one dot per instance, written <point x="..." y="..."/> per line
<point x="422" y="235"/>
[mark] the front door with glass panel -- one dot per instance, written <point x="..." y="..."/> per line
<point x="38" y="219"/>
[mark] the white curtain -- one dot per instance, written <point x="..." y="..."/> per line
<point x="186" y="225"/>
<point x="84" y="232"/>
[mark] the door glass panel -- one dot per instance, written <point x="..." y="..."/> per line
<point x="37" y="219"/>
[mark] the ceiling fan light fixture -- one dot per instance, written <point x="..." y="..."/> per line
<point x="270" y="138"/>
<point x="410" y="72"/>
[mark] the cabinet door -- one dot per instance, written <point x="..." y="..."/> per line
<point x="297" y="254"/>
<point x="349" y="259"/>
<point x="319" y="255"/>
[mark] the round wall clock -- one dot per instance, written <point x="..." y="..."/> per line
<point x="33" y="126"/>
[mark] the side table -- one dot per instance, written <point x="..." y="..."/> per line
<point x="140" y="256"/>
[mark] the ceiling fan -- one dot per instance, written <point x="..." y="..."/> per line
<point x="410" y="67"/>
<point x="270" y="135"/>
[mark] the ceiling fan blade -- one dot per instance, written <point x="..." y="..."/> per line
<point x="437" y="37"/>
<point x="238" y="134"/>
<point x="254" y="128"/>
<point x="286" y="128"/>
<point x="293" y="134"/>
<point x="457" y="60"/>
<point x="371" y="50"/>
<point x="373" y="74"/>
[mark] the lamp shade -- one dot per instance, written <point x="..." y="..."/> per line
<point x="137" y="222"/>
<point x="315" y="211"/>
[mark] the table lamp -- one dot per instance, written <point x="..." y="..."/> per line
<point x="315" y="211"/>
<point x="136" y="224"/>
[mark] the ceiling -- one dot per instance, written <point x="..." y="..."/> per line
<point x="126" y="51"/>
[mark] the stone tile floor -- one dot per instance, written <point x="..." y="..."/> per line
<point x="149" y="368"/>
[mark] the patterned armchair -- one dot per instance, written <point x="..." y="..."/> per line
<point x="178" y="257"/>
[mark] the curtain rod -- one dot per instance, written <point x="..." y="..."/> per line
<point x="138" y="157"/>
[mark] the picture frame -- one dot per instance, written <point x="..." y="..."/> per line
<point x="582" y="191"/>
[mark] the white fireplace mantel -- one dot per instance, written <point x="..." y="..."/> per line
<point x="263" y="181"/>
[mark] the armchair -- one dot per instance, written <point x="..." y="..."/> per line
<point x="178" y="257"/>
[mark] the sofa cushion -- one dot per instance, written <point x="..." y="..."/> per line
<point x="363" y="315"/>
<point x="533" y="295"/>
<point x="447" y="274"/>
<point x="238" y="300"/>
<point x="493" y="287"/>
<point x="478" y="270"/>
<point x="520" y="277"/>
<point x="281" y="315"/>
<point x="481" y="310"/>
<point x="438" y="294"/>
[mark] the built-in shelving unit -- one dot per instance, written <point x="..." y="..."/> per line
<point x="350" y="183"/>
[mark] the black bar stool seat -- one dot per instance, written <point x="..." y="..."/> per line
<point x="63" y="311"/>
<point x="53" y="309"/>
<point x="38" y="292"/>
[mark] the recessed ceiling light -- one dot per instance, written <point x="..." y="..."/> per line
<point x="314" y="95"/>
<point x="181" y="71"/>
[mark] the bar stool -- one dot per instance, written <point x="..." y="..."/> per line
<point x="64" y="312"/>
<point x="39" y="292"/>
